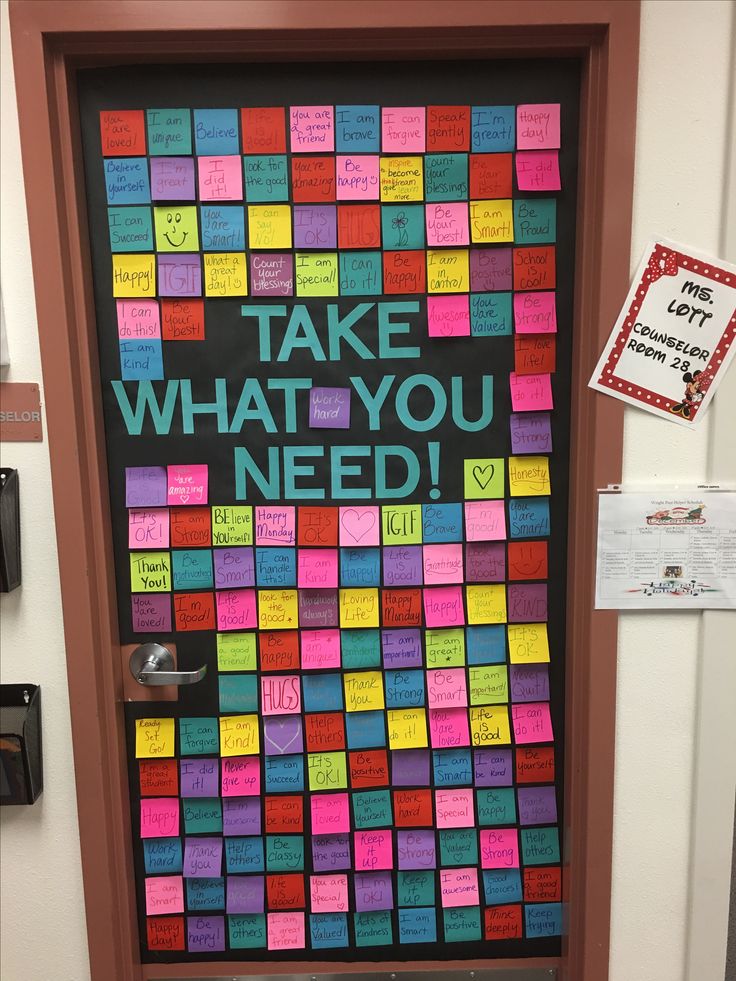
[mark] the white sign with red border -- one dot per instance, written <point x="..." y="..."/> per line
<point x="675" y="335"/>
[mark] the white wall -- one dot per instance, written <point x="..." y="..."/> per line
<point x="680" y="171"/>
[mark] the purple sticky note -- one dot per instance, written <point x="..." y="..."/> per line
<point x="537" y="805"/>
<point x="402" y="565"/>
<point x="205" y="933"/>
<point x="527" y="602"/>
<point x="271" y="274"/>
<point x="282" y="735"/>
<point x="241" y="815"/>
<point x="245" y="894"/>
<point x="179" y="275"/>
<point x="373" y="891"/>
<point x="401" y="648"/>
<point x="410" y="768"/>
<point x="318" y="608"/>
<point x="145" y="487"/>
<point x="331" y="852"/>
<point x="329" y="408"/>
<point x="490" y="270"/>
<point x="199" y="778"/>
<point x="151" y="613"/>
<point x="493" y="767"/>
<point x="202" y="857"/>
<point x="315" y="226"/>
<point x="172" y="179"/>
<point x="234" y="568"/>
<point x="529" y="683"/>
<point x="530" y="432"/>
<point x="416" y="849"/>
<point x="485" y="561"/>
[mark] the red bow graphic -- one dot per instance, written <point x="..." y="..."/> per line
<point x="664" y="264"/>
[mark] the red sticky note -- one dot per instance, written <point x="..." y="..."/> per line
<point x="312" y="179"/>
<point x="279" y="650"/>
<point x="401" y="607"/>
<point x="534" y="353"/>
<point x="194" y="611"/>
<point x="190" y="527"/>
<point x="448" y="128"/>
<point x="324" y="732"/>
<point x="284" y="815"/>
<point x="534" y="268"/>
<point x="527" y="560"/>
<point x="159" y="778"/>
<point x="264" y="130"/>
<point x="359" y="226"/>
<point x="368" y="768"/>
<point x="182" y="320"/>
<point x="490" y="176"/>
<point x="542" y="885"/>
<point x="317" y="526"/>
<point x="535" y="764"/>
<point x="285" y="891"/>
<point x="123" y="133"/>
<point x="404" y="272"/>
<point x="165" y="932"/>
<point x="413" y="808"/>
<point x="503" y="922"/>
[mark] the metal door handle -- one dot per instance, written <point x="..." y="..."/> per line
<point x="152" y="664"/>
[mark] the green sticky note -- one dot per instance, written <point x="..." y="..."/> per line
<point x="361" y="274"/>
<point x="236" y="652"/>
<point x="199" y="736"/>
<point x="445" y="648"/>
<point x="232" y="525"/>
<point x="150" y="572"/>
<point x="496" y="806"/>
<point x="540" y="846"/>
<point x="317" y="274"/>
<point x="327" y="771"/>
<point x="402" y="524"/>
<point x="483" y="478"/>
<point x="489" y="684"/>
<point x="415" y="888"/>
<point x="169" y="132"/>
<point x="459" y="846"/>
<point x="247" y="931"/>
<point x="238" y="693"/>
<point x="130" y="229"/>
<point x="535" y="221"/>
<point x="202" y="815"/>
<point x="285" y="853"/>
<point x="446" y="176"/>
<point x="176" y="228"/>
<point x="402" y="226"/>
<point x="360" y="649"/>
<point x="462" y="923"/>
<point x="266" y="178"/>
<point x="373" y="929"/>
<point x="372" y="809"/>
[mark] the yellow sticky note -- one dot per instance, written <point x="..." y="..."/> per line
<point x="225" y="274"/>
<point x="490" y="726"/>
<point x="278" y="609"/>
<point x="316" y="274"/>
<point x="232" y="525"/>
<point x="327" y="771"/>
<point x="134" y="275"/>
<point x="489" y="684"/>
<point x="483" y="478"/>
<point x="407" y="728"/>
<point x="236" y="652"/>
<point x="154" y="738"/>
<point x="491" y="221"/>
<point x="363" y="691"/>
<point x="402" y="524"/>
<point x="529" y="476"/>
<point x="239" y="735"/>
<point x="486" y="604"/>
<point x="269" y="226"/>
<point x="448" y="271"/>
<point x="176" y="229"/>
<point x="359" y="608"/>
<point x="150" y="572"/>
<point x="445" y="648"/>
<point x="528" y="643"/>
<point x="402" y="179"/>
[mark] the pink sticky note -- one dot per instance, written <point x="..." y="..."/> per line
<point x="275" y="525"/>
<point x="535" y="313"/>
<point x="138" y="319"/>
<point x="359" y="526"/>
<point x="148" y="528"/>
<point x="442" y="564"/>
<point x="403" y="129"/>
<point x="447" y="223"/>
<point x="330" y="814"/>
<point x="459" y="887"/>
<point x="538" y="126"/>
<point x="285" y="931"/>
<point x="357" y="178"/>
<point x="312" y="129"/>
<point x="317" y="568"/>
<point x="532" y="722"/>
<point x="160" y="817"/>
<point x="373" y="850"/>
<point x="236" y="609"/>
<point x="320" y="649"/>
<point x="448" y="316"/>
<point x="485" y="521"/>
<point x="241" y="776"/>
<point x="448" y="728"/>
<point x="538" y="170"/>
<point x="329" y="893"/>
<point x="187" y="484"/>
<point x="164" y="894"/>
<point x="454" y="808"/>
<point x="443" y="606"/>
<point x="280" y="694"/>
<point x="220" y="178"/>
<point x="447" y="688"/>
<point x="499" y="849"/>
<point x="530" y="393"/>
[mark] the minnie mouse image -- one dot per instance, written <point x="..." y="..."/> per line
<point x="693" y="395"/>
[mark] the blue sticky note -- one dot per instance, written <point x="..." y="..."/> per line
<point x="486" y="644"/>
<point x="222" y="228"/>
<point x="169" y="132"/>
<point x="535" y="221"/>
<point x="202" y="815"/>
<point x="417" y="926"/>
<point x="496" y="805"/>
<point x="192" y="568"/>
<point x="140" y="360"/>
<point x="357" y="129"/>
<point x="360" y="567"/>
<point x="540" y="846"/>
<point x="285" y="853"/>
<point x="415" y="888"/>
<point x="402" y="226"/>
<point x="452" y="767"/>
<point x="238" y="693"/>
<point x="361" y="274"/>
<point x="247" y="930"/>
<point x="216" y="132"/>
<point x="206" y="894"/>
<point x="446" y="176"/>
<point x="373" y="928"/>
<point x="328" y="930"/>
<point x="493" y="128"/>
<point x="372" y="809"/>
<point x="404" y="689"/>
<point x="458" y="846"/>
<point x="126" y="180"/>
<point x="490" y="314"/>
<point x="528" y="517"/>
<point x="442" y="523"/>
<point x="365" y="730"/>
<point x="462" y="923"/>
<point x="323" y="692"/>
<point x="162" y="855"/>
<point x="543" y="919"/>
<point x="276" y="567"/>
<point x="284" y="774"/>
<point x="198" y="736"/>
<point x="501" y="886"/>
<point x="130" y="229"/>
<point x="360" y="649"/>
<point x="266" y="178"/>
<point x="244" y="855"/>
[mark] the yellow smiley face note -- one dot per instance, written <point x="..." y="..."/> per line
<point x="176" y="229"/>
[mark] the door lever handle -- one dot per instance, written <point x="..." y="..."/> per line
<point x="152" y="664"/>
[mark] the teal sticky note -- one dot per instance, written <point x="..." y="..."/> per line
<point x="360" y="649"/>
<point x="462" y="923"/>
<point x="141" y="360"/>
<point x="415" y="888"/>
<point x="361" y="274"/>
<point x="442" y="523"/>
<point x="493" y="128"/>
<point x="323" y="692"/>
<point x="417" y="926"/>
<point x="543" y="919"/>
<point x="276" y="568"/>
<point x="206" y="894"/>
<point x="360" y="567"/>
<point x="222" y="227"/>
<point x="496" y="805"/>
<point x="266" y="178"/>
<point x="486" y="644"/>
<point x="238" y="693"/>
<point x="452" y="767"/>
<point x="528" y="517"/>
<point x="198" y="736"/>
<point x="501" y="886"/>
<point x="192" y="568"/>
<point x="446" y="176"/>
<point x="458" y="846"/>
<point x="357" y="129"/>
<point x="328" y="930"/>
<point x="285" y="853"/>
<point x="131" y="229"/>
<point x="365" y="730"/>
<point x="404" y="689"/>
<point x="402" y="226"/>
<point x="202" y="815"/>
<point x="247" y="931"/>
<point x="169" y="132"/>
<point x="490" y="314"/>
<point x="126" y="180"/>
<point x="162" y="855"/>
<point x="244" y="855"/>
<point x="535" y="221"/>
<point x="216" y="132"/>
<point x="372" y="808"/>
<point x="373" y="928"/>
<point x="540" y="846"/>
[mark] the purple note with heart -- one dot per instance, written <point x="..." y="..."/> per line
<point x="537" y="805"/>
<point x="241" y="816"/>
<point x="282" y="735"/>
<point x="329" y="408"/>
<point x="245" y="894"/>
<point x="531" y="432"/>
<point x="331" y="852"/>
<point x="202" y="858"/>
<point x="373" y="891"/>
<point x="410" y="768"/>
<point x="359" y="526"/>
<point x="527" y="602"/>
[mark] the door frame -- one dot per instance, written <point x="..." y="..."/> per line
<point x="51" y="40"/>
